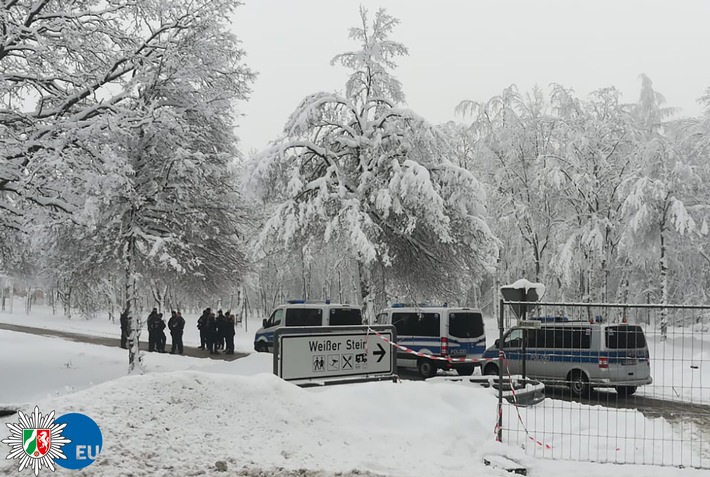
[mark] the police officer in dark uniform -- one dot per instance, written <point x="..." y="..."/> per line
<point x="221" y="329"/>
<point x="229" y="333"/>
<point x="124" y="330"/>
<point x="162" y="339"/>
<point x="202" y="326"/>
<point x="176" y="324"/>
<point x="153" y="324"/>
<point x="212" y="333"/>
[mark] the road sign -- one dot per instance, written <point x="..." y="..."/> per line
<point x="529" y="324"/>
<point x="522" y="290"/>
<point x="323" y="353"/>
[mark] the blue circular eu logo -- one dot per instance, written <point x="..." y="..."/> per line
<point x="86" y="441"/>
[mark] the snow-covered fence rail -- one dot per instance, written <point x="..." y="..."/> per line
<point x="594" y="358"/>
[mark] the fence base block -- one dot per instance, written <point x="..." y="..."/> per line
<point x="500" y="462"/>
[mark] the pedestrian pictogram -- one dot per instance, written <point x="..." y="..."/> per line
<point x="319" y="363"/>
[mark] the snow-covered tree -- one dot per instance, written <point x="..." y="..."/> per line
<point x="596" y="150"/>
<point x="695" y="137"/>
<point x="655" y="207"/>
<point x="514" y="134"/>
<point x="130" y="130"/>
<point x="361" y="168"/>
<point x="65" y="69"/>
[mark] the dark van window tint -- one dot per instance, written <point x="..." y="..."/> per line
<point x="625" y="337"/>
<point x="304" y="317"/>
<point x="416" y="324"/>
<point x="345" y="316"/>
<point x="466" y="325"/>
<point x="568" y="338"/>
<point x="405" y="323"/>
<point x="429" y="324"/>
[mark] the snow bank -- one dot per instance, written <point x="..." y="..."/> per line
<point x="181" y="423"/>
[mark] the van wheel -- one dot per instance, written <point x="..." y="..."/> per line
<point x="426" y="368"/>
<point x="578" y="384"/>
<point x="625" y="390"/>
<point x="465" y="369"/>
<point x="490" y="370"/>
<point x="261" y="347"/>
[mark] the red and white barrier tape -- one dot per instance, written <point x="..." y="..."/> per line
<point x="517" y="408"/>
<point x="430" y="356"/>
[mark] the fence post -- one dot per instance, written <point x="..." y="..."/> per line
<point x="501" y="331"/>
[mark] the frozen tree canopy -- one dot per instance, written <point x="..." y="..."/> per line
<point x="363" y="168"/>
<point x="122" y="183"/>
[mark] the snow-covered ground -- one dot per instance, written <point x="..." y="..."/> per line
<point x="680" y="365"/>
<point x="185" y="414"/>
<point x="42" y="317"/>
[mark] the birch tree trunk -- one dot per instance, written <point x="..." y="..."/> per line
<point x="135" y="359"/>
<point x="366" y="292"/>
<point x="664" y="283"/>
<point x="66" y="298"/>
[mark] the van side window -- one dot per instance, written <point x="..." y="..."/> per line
<point x="416" y="324"/>
<point x="429" y="324"/>
<point x="304" y="317"/>
<point x="345" y="316"/>
<point x="566" y="338"/>
<point x="405" y="323"/>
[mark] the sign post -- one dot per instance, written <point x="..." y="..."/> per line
<point x="521" y="292"/>
<point x="334" y="354"/>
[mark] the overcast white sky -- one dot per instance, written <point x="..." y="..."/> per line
<point x="471" y="49"/>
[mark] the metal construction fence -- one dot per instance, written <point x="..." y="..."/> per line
<point x="624" y="383"/>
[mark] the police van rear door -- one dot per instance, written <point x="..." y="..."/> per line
<point x="628" y="352"/>
<point x="466" y="334"/>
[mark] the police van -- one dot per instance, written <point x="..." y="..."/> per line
<point x="437" y="331"/>
<point x="577" y="354"/>
<point x="304" y="313"/>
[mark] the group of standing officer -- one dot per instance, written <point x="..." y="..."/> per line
<point x="156" y="331"/>
<point x="216" y="331"/>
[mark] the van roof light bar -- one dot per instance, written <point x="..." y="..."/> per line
<point x="301" y="301"/>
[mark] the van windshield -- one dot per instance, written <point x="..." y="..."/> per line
<point x="345" y="316"/>
<point x="466" y="325"/>
<point x="625" y="337"/>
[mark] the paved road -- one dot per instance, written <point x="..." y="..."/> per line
<point x="115" y="342"/>
<point x="649" y="406"/>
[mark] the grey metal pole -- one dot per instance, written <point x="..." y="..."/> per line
<point x="501" y="362"/>
<point x="523" y="317"/>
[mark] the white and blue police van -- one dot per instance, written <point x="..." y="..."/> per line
<point x="577" y="354"/>
<point x="440" y="331"/>
<point x="305" y="313"/>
